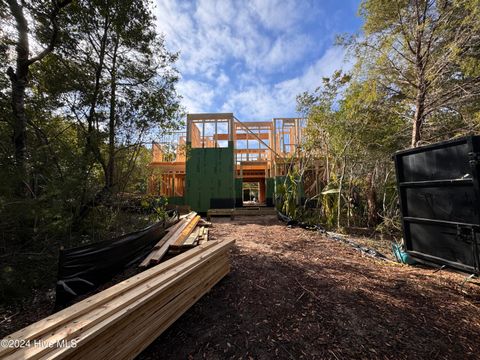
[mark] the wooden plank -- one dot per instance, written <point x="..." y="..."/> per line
<point x="243" y="136"/>
<point x="219" y="212"/>
<point x="109" y="328"/>
<point x="119" y="333"/>
<point x="210" y="116"/>
<point x="132" y="336"/>
<point x="179" y="250"/>
<point x="171" y="230"/>
<point x="123" y="305"/>
<point x="183" y="220"/>
<point x="132" y="329"/>
<point x="204" y="238"/>
<point x="69" y="314"/>
<point x="165" y="317"/>
<point x="186" y="231"/>
<point x="201" y="233"/>
<point x="255" y="124"/>
<point x="191" y="301"/>
<point x="192" y="237"/>
<point x="189" y="215"/>
<point x="205" y="223"/>
<point x="156" y="255"/>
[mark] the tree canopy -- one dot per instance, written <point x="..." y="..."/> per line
<point x="415" y="81"/>
<point x="85" y="86"/>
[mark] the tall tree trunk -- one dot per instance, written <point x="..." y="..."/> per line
<point x="420" y="63"/>
<point x="109" y="178"/>
<point x="372" y="210"/>
<point x="340" y="186"/>
<point x="20" y="124"/>
<point x="19" y="80"/>
<point x="419" y="115"/>
<point x="91" y="145"/>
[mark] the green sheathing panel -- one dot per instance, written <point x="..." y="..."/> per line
<point x="238" y="193"/>
<point x="270" y="191"/>
<point x="176" y="200"/>
<point x="210" y="181"/>
<point x="301" y="193"/>
<point x="277" y="180"/>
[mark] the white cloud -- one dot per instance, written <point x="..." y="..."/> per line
<point x="333" y="59"/>
<point x="283" y="14"/>
<point x="263" y="100"/>
<point x="254" y="103"/>
<point x="197" y="96"/>
<point x="210" y="32"/>
<point x="222" y="80"/>
<point x="286" y="50"/>
<point x="231" y="50"/>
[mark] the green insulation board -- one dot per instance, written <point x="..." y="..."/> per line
<point x="210" y="180"/>
<point x="270" y="191"/>
<point x="238" y="193"/>
<point x="176" y="200"/>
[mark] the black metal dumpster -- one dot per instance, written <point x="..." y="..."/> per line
<point x="439" y="200"/>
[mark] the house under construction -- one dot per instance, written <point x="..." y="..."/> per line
<point x="223" y="163"/>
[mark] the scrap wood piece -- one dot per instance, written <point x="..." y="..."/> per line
<point x="180" y="249"/>
<point x="204" y="239"/>
<point x="157" y="254"/>
<point x="188" y="215"/>
<point x="201" y="233"/>
<point x="205" y="223"/>
<point x="192" y="241"/>
<point x="162" y="242"/>
<point x="185" y="233"/>
<point x="170" y="232"/>
<point x="192" y="238"/>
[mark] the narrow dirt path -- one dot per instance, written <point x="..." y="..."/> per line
<point x="294" y="294"/>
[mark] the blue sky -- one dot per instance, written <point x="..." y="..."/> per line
<point x="253" y="57"/>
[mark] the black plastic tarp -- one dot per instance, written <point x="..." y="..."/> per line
<point x="84" y="268"/>
<point x="337" y="237"/>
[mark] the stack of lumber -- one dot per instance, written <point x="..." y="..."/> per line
<point x="121" y="321"/>
<point x="189" y="232"/>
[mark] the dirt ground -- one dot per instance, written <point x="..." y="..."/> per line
<point x="296" y="294"/>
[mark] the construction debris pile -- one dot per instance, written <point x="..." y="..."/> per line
<point x="187" y="233"/>
<point x="121" y="321"/>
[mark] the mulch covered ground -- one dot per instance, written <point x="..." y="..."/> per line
<point x="296" y="294"/>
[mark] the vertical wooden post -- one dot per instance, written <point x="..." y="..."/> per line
<point x="261" y="191"/>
